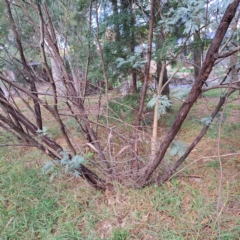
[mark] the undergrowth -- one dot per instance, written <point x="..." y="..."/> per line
<point x="32" y="207"/>
<point x="124" y="108"/>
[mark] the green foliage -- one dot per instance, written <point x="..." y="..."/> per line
<point x="132" y="61"/>
<point x="164" y="103"/>
<point x="44" y="131"/>
<point x="76" y="162"/>
<point x="177" y="148"/>
<point x="48" y="167"/>
<point x="168" y="48"/>
<point x="180" y="93"/>
<point x="206" y="121"/>
<point x="52" y="132"/>
<point x="71" y="164"/>
<point x="188" y="14"/>
<point x="220" y="5"/>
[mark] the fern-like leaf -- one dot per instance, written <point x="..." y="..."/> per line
<point x="177" y="148"/>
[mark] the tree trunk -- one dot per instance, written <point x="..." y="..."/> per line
<point x="195" y="92"/>
<point x="149" y="55"/>
<point x="84" y="81"/>
<point x="160" y="39"/>
<point x="7" y="88"/>
<point x="134" y="81"/>
<point x="51" y="148"/>
<point x="57" y="74"/>
<point x="197" y="53"/>
<point x="155" y="119"/>
<point x="26" y="68"/>
<point x="116" y="21"/>
<point x="166" y="90"/>
<point x="233" y="60"/>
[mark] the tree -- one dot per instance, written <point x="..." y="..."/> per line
<point x="192" y="97"/>
<point x="48" y="34"/>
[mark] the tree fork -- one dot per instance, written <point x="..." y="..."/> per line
<point x="194" y="93"/>
<point x="171" y="171"/>
<point x="86" y="173"/>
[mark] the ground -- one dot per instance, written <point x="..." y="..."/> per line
<point x="33" y="207"/>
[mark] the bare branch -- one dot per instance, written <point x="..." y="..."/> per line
<point x="227" y="54"/>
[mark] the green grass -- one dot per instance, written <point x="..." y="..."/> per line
<point x="213" y="93"/>
<point x="30" y="206"/>
<point x="233" y="106"/>
<point x="120" y="234"/>
<point x="33" y="208"/>
<point x="213" y="164"/>
<point x="216" y="93"/>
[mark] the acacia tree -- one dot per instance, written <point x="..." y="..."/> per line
<point x="29" y="129"/>
<point x="211" y="57"/>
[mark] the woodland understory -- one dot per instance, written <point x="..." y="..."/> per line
<point x="70" y="49"/>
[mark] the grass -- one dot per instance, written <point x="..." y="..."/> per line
<point x="216" y="93"/>
<point x="29" y="209"/>
<point x="213" y="93"/>
<point x="33" y="208"/>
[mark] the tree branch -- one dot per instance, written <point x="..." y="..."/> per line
<point x="194" y="94"/>
<point x="171" y="171"/>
